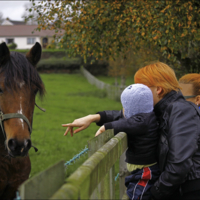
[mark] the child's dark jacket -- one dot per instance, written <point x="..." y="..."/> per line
<point x="141" y="130"/>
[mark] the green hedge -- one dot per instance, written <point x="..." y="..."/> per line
<point x="43" y="50"/>
<point x="57" y="59"/>
<point x="46" y="53"/>
<point x="12" y="46"/>
<point x="97" y="68"/>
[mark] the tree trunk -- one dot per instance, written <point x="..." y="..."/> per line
<point x="116" y="81"/>
<point x="123" y="82"/>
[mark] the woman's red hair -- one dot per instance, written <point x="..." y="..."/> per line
<point x="193" y="79"/>
<point x="158" y="74"/>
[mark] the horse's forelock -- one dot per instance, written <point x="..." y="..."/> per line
<point x="20" y="69"/>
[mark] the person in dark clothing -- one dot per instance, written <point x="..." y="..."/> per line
<point x="190" y="84"/>
<point x="179" y="132"/>
<point x="140" y="125"/>
<point x="179" y="128"/>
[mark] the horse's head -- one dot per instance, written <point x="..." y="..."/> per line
<point x="19" y="84"/>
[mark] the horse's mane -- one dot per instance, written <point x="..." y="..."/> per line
<point x="20" y="69"/>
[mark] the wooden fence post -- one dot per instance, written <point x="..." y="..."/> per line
<point x="45" y="184"/>
<point x="105" y="189"/>
<point x="97" y="142"/>
<point x="123" y="172"/>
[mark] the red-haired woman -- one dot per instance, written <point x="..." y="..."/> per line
<point x="179" y="129"/>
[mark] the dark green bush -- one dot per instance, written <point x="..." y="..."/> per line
<point x="46" y="53"/>
<point x="12" y="46"/>
<point x="55" y="64"/>
<point x="57" y="59"/>
<point x="97" y="68"/>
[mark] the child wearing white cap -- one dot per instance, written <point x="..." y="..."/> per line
<point x="140" y="125"/>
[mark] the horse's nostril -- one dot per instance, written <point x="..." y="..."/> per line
<point x="18" y="148"/>
<point x="12" y="144"/>
<point x="27" y="144"/>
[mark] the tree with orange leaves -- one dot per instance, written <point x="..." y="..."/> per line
<point x="93" y="28"/>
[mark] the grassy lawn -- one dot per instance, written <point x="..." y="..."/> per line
<point x="69" y="96"/>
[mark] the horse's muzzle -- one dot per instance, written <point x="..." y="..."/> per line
<point x="18" y="148"/>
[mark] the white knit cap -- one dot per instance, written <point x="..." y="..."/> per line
<point x="135" y="99"/>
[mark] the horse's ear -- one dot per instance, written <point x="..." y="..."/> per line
<point x="4" y="53"/>
<point x="34" y="54"/>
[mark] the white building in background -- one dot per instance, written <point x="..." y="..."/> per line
<point x="23" y="35"/>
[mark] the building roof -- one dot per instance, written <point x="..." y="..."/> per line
<point x="17" y="22"/>
<point x="23" y="31"/>
<point x="7" y="21"/>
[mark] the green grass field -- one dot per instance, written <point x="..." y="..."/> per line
<point x="69" y="96"/>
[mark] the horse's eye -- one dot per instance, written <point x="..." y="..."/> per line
<point x="1" y="91"/>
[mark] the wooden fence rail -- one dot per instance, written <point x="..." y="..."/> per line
<point x="95" y="178"/>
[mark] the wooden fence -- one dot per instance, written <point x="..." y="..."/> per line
<point x="113" y="92"/>
<point x="94" y="179"/>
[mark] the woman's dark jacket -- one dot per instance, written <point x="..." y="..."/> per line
<point x="179" y="145"/>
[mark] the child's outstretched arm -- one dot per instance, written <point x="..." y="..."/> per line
<point x="81" y="123"/>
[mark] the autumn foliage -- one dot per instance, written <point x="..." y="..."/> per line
<point x="106" y="29"/>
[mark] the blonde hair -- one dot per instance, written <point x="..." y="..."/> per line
<point x="158" y="74"/>
<point x="193" y="79"/>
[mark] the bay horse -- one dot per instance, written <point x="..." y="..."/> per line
<point x="19" y="84"/>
